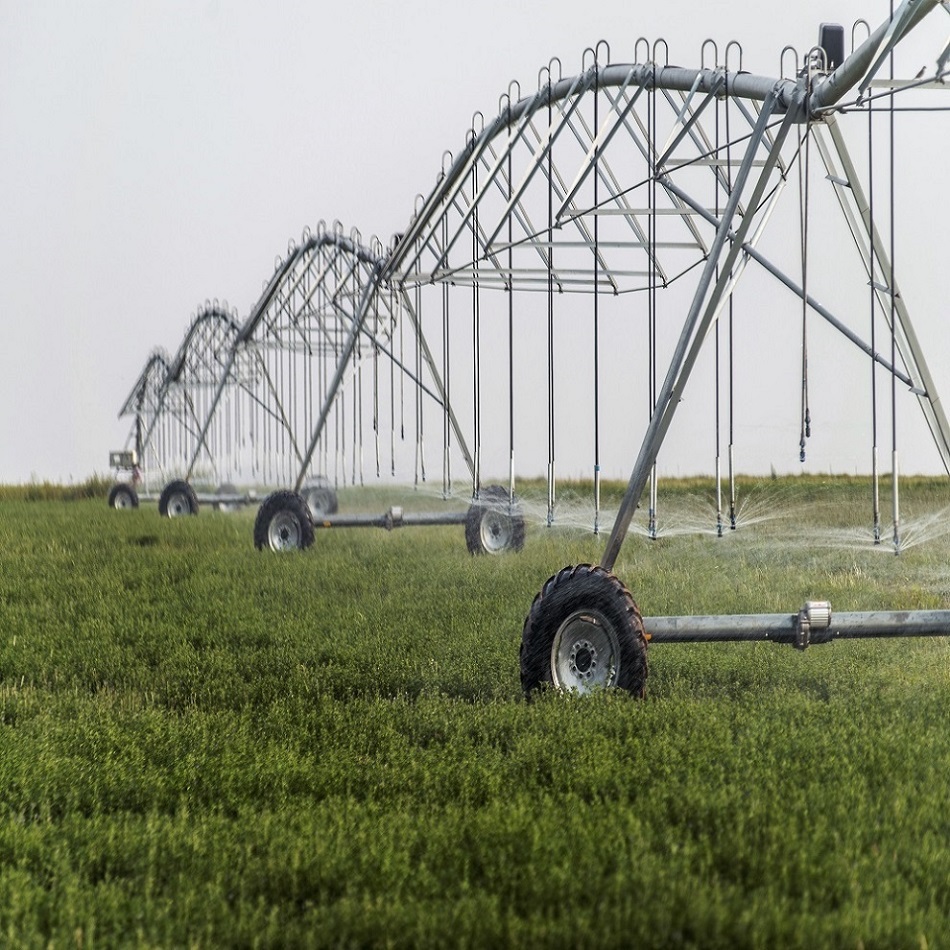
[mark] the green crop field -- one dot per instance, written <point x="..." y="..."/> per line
<point x="204" y="745"/>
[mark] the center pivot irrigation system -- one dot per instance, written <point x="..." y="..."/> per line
<point x="579" y="202"/>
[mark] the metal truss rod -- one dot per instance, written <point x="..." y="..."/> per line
<point x="519" y="212"/>
<point x="542" y="150"/>
<point x="260" y="308"/>
<point x="401" y="366"/>
<point x="280" y="415"/>
<point x="454" y="180"/>
<point x="343" y="360"/>
<point x="219" y="392"/>
<point x="821" y="310"/>
<point x="688" y="124"/>
<point x="698" y="319"/>
<point x="252" y="396"/>
<point x="135" y="400"/>
<point x="442" y="398"/>
<point x="612" y="124"/>
<point x="606" y="175"/>
<point x="908" y="345"/>
<point x="174" y="368"/>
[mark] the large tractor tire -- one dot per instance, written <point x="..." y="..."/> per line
<point x="122" y="495"/>
<point x="283" y="523"/>
<point x="177" y="499"/>
<point x="584" y="632"/>
<point x="494" y="523"/>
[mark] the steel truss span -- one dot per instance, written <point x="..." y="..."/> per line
<point x="240" y="402"/>
<point x="616" y="213"/>
<point x="167" y="402"/>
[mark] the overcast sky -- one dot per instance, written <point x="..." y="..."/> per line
<point x="154" y="155"/>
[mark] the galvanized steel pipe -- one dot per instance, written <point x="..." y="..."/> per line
<point x="787" y="628"/>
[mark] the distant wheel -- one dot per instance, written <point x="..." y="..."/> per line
<point x="321" y="500"/>
<point x="283" y="523"/>
<point x="494" y="523"/>
<point x="178" y="498"/>
<point x="123" y="495"/>
<point x="584" y="632"/>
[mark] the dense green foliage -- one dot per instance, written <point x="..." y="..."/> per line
<point x="96" y="487"/>
<point x="205" y="745"/>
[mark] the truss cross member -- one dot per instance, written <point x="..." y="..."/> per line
<point x="699" y="318"/>
<point x="359" y="318"/>
<point x="874" y="253"/>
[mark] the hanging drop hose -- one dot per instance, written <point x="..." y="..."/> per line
<point x="402" y="362"/>
<point x="872" y="255"/>
<point x="392" y="414"/>
<point x="550" y="268"/>
<point x="361" y="417"/>
<point x="476" y="340"/>
<point x="511" y="337"/>
<point x="376" y="390"/>
<point x="420" y="472"/>
<point x="596" y="310"/>
<point x="732" y="392"/>
<point x="718" y="183"/>
<point x="892" y="286"/>
<point x="357" y="464"/>
<point x="446" y="428"/>
<point x="803" y="173"/>
<point x="651" y="294"/>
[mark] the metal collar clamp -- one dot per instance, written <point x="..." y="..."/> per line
<point x="814" y="617"/>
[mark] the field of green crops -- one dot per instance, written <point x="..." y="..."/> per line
<point x="204" y="745"/>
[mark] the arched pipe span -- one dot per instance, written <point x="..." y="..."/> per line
<point x="207" y="316"/>
<point x="785" y="94"/>
<point x="358" y="254"/>
<point x="195" y="342"/>
<point x="356" y="251"/>
<point x="152" y="377"/>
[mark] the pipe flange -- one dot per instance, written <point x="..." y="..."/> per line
<point x="814" y="617"/>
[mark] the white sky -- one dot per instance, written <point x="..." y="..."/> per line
<point x="154" y="155"/>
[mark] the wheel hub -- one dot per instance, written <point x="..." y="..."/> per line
<point x="585" y="652"/>
<point x="284" y="533"/>
<point x="496" y="531"/>
<point x="178" y="505"/>
<point x="583" y="658"/>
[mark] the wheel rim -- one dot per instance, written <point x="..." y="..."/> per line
<point x="317" y="502"/>
<point x="585" y="653"/>
<point x="178" y="504"/>
<point x="122" y="500"/>
<point x="496" y="531"/>
<point x="283" y="532"/>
